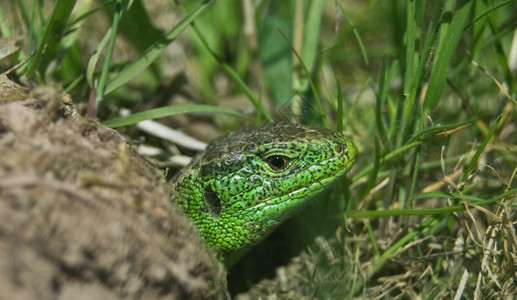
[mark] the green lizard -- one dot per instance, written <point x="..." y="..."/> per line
<point x="248" y="182"/>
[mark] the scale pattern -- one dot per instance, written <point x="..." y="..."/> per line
<point x="249" y="181"/>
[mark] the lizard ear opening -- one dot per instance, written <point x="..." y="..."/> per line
<point x="213" y="203"/>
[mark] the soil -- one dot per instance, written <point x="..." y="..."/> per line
<point x="83" y="216"/>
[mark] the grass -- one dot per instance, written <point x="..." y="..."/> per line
<point x="425" y="88"/>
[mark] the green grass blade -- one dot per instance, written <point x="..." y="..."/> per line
<point x="138" y="66"/>
<point x="433" y="211"/>
<point x="446" y="49"/>
<point x="411" y="59"/>
<point x="414" y="178"/>
<point x="49" y="42"/>
<point x="72" y="85"/>
<point x="430" y="133"/>
<point x="169" y="111"/>
<point x="339" y="118"/>
<point x="22" y="4"/>
<point x="120" y="8"/>
<point x="501" y="55"/>
<point x="399" y="244"/>
<point x="4" y="28"/>
<point x="425" y="52"/>
<point x="475" y="158"/>
<point x="312" y="33"/>
<point x="490" y="9"/>
<point x="32" y="41"/>
<point x="387" y="157"/>
<point x="87" y="14"/>
<point x="311" y="82"/>
<point x="235" y="76"/>
<point x="276" y="58"/>
<point x="370" y="183"/>
<point x="382" y="95"/>
<point x="92" y="63"/>
<point x="455" y="196"/>
<point x="357" y="37"/>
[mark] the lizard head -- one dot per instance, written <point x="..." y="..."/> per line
<point x="254" y="179"/>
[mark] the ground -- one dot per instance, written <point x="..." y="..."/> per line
<point x="82" y="215"/>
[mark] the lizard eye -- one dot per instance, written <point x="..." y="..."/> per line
<point x="277" y="162"/>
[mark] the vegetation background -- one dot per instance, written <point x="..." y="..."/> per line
<point x="426" y="89"/>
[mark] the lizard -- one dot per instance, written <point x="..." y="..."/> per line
<point x="246" y="183"/>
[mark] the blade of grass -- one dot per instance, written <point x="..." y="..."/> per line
<point x="357" y="37"/>
<point x="408" y="109"/>
<point x="31" y="43"/>
<point x="425" y="52"/>
<point x="312" y="33"/>
<point x="22" y="4"/>
<point x="49" y="42"/>
<point x="490" y="9"/>
<point x="138" y="66"/>
<point x="410" y="76"/>
<point x="388" y="253"/>
<point x="72" y="85"/>
<point x="276" y="58"/>
<point x="414" y="178"/>
<point x="379" y="262"/>
<point x="446" y="49"/>
<point x="382" y="95"/>
<point x="414" y="142"/>
<point x="438" y="130"/>
<point x="169" y="111"/>
<point x="474" y="160"/>
<point x="90" y="69"/>
<point x="87" y="14"/>
<point x="311" y="82"/>
<point x="472" y="201"/>
<point x="501" y="55"/>
<point x="386" y="158"/>
<point x="235" y="76"/>
<point x="4" y="28"/>
<point x="120" y="9"/>
<point x="411" y="54"/>
<point x="339" y="118"/>
<point x="370" y="183"/>
<point x="373" y="240"/>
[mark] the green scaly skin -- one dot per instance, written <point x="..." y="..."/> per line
<point x="248" y="182"/>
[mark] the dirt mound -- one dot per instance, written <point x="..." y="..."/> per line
<point x="84" y="217"/>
